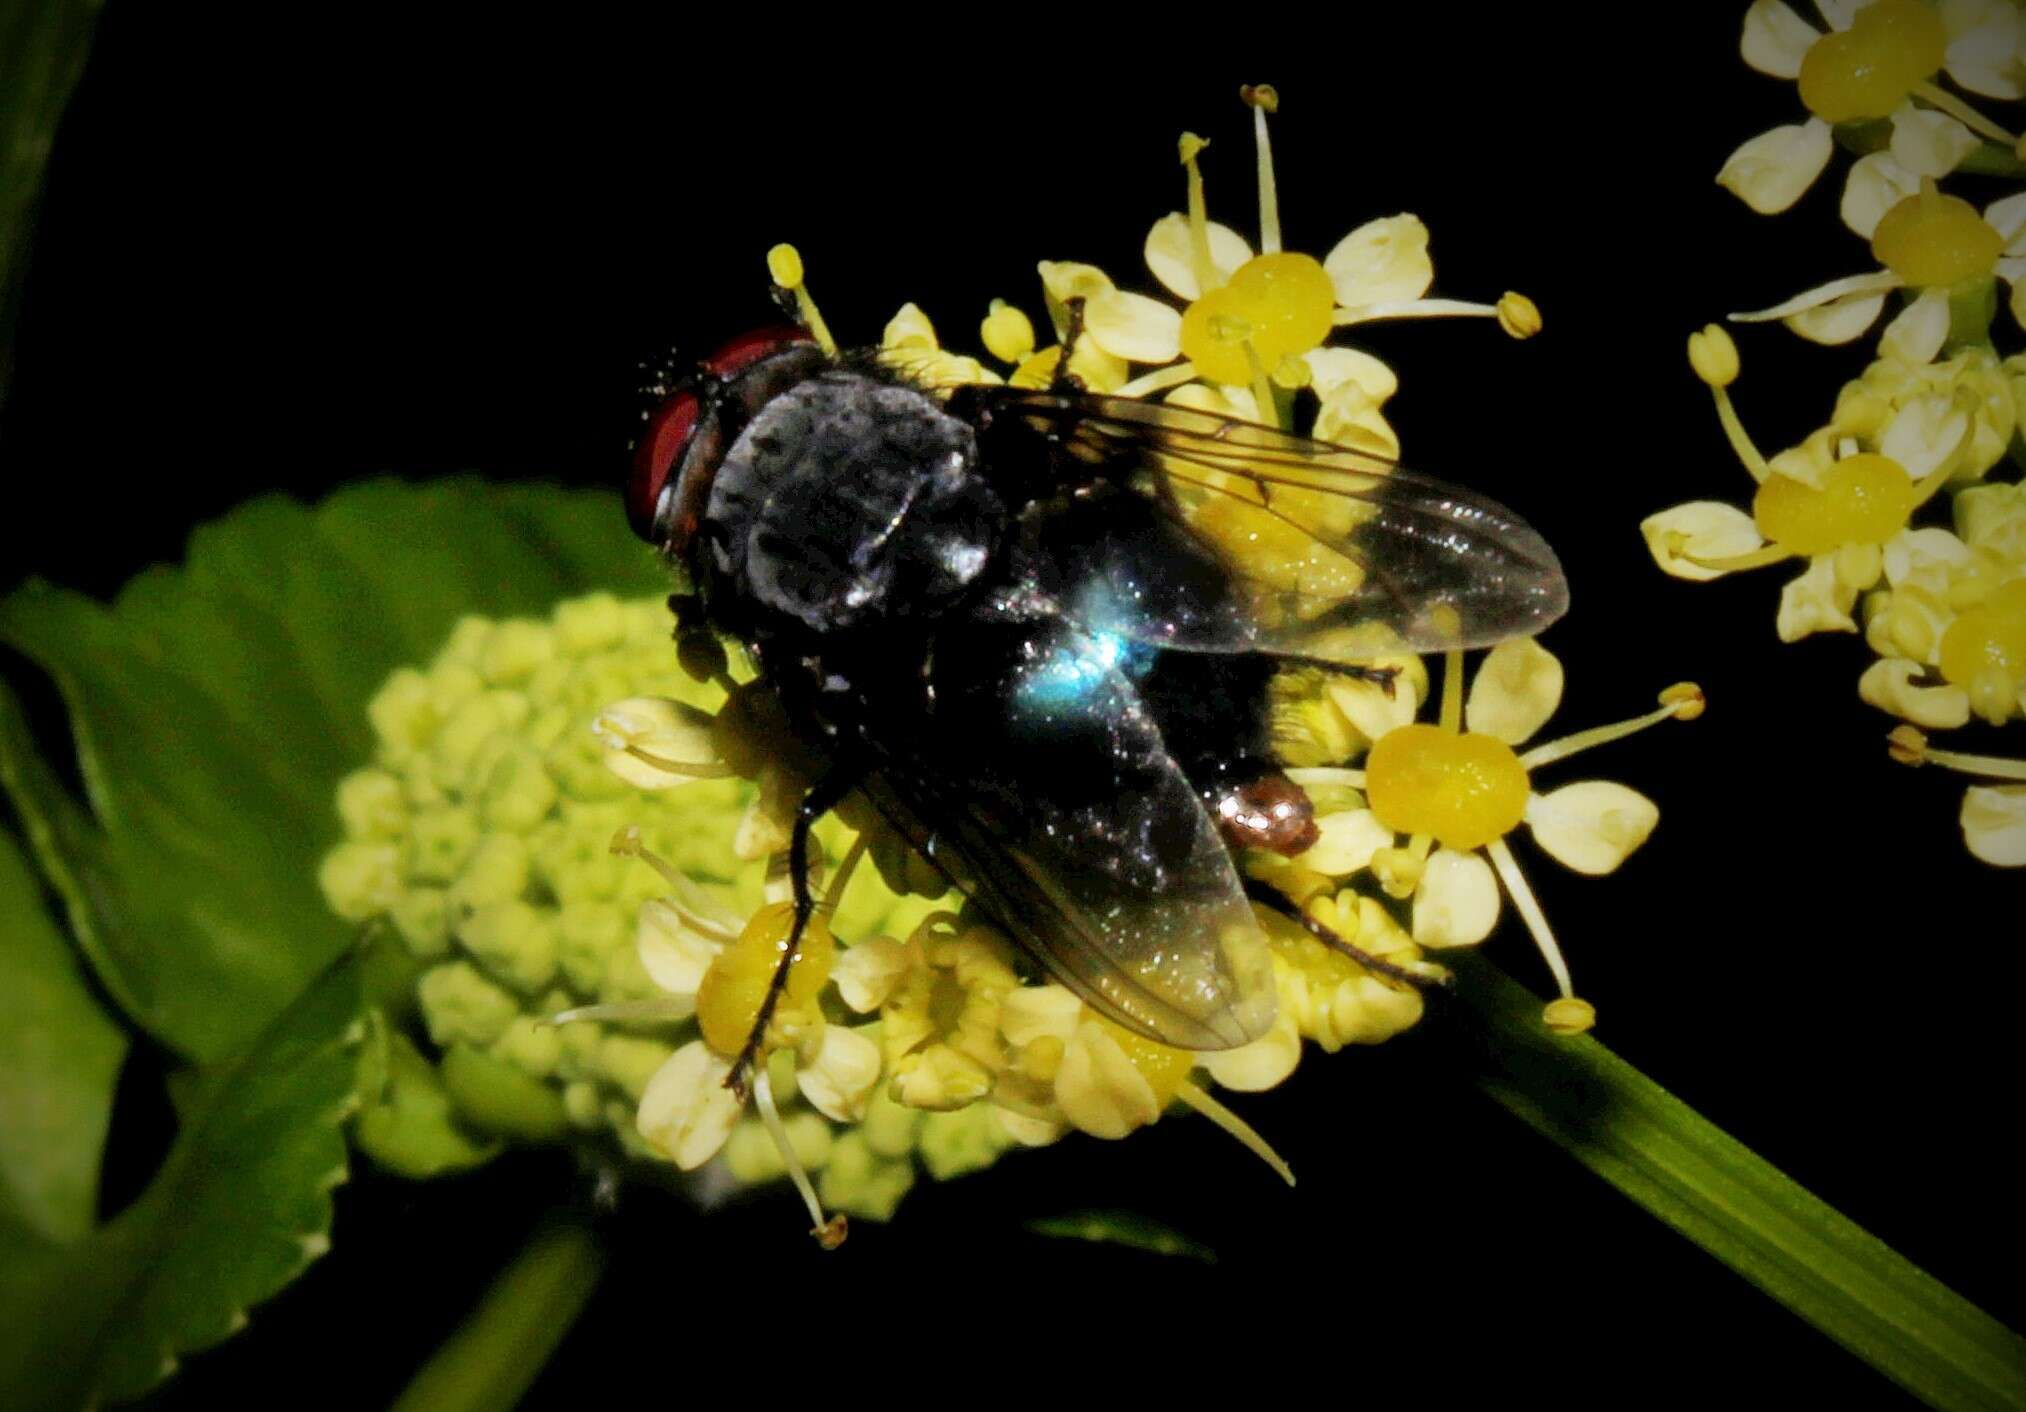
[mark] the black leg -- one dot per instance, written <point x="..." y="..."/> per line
<point x="1381" y="677"/>
<point x="1064" y="380"/>
<point x="1269" y="896"/>
<point x="823" y="796"/>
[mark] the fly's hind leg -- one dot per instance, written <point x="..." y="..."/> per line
<point x="1269" y="896"/>
<point x="826" y="794"/>
<point x="1064" y="380"/>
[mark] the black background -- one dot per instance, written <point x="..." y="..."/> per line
<point x="284" y="250"/>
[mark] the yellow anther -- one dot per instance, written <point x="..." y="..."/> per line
<point x="1687" y="700"/>
<point x="1570" y="1015"/>
<point x="1007" y="333"/>
<point x="1714" y="355"/>
<point x="1398" y="870"/>
<point x="1260" y="95"/>
<point x="1292" y="373"/>
<point x="1192" y="147"/>
<point x="784" y="263"/>
<point x="1907" y="745"/>
<point x="1518" y="315"/>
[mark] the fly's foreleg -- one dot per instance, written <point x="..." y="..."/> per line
<point x="823" y="796"/>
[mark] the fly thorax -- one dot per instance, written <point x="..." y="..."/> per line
<point x="847" y="501"/>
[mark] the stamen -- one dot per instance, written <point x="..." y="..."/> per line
<point x="1452" y="691"/>
<point x="626" y="844"/>
<point x="1231" y="1123"/>
<point x="1159" y="380"/>
<point x="1739" y="438"/>
<point x="1684" y="703"/>
<point x="784" y="263"/>
<point x="1910" y="747"/>
<point x="1265" y="100"/>
<point x="1530" y="911"/>
<point x="1731" y="563"/>
<point x="1876" y="282"/>
<point x="1199" y="218"/>
<point x="1262" y="389"/>
<point x="1306" y="775"/>
<point x="712" y="770"/>
<point x="1415" y="309"/>
<point x="830" y="1231"/>
<point x="835" y="892"/>
<point x="624" y="1011"/>
<point x="1937" y="97"/>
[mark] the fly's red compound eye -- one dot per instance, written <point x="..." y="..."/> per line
<point x="741" y="353"/>
<point x="655" y="458"/>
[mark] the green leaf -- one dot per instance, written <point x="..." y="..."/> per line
<point x="42" y="52"/>
<point x="216" y="705"/>
<point x="60" y="1056"/>
<point x="1711" y="1188"/>
<point x="1127" y="1228"/>
<point x="240" y="1207"/>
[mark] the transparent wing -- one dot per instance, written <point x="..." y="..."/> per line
<point x="1323" y="551"/>
<point x="1044" y="792"/>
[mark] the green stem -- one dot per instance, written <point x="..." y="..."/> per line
<point x="489" y="1362"/>
<point x="1718" y="1193"/>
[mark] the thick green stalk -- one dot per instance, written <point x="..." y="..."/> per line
<point x="1718" y="1193"/>
<point x="489" y="1362"/>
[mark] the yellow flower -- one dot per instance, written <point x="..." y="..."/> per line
<point x="1456" y="789"/>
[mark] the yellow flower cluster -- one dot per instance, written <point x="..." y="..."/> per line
<point x="1941" y="599"/>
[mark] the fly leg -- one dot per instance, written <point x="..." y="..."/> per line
<point x="1064" y="380"/>
<point x="1381" y="677"/>
<point x="823" y="796"/>
<point x="1269" y="896"/>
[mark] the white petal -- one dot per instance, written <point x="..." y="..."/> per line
<point x="1875" y="185"/>
<point x="910" y="329"/>
<point x="658" y="727"/>
<point x="1032" y="1011"/>
<point x="1770" y="172"/>
<point x="1708" y="529"/>
<point x="1776" y="39"/>
<point x="1258" y="1066"/>
<point x="1924" y="433"/>
<point x="1918" y="331"/>
<point x="1063" y="280"/>
<point x="1592" y="826"/>
<point x="1838" y="14"/>
<point x="2017" y="302"/>
<point x="1987" y="49"/>
<point x="1890" y="686"/>
<point x="1815" y="602"/>
<point x="687" y="1112"/>
<point x="1169" y="253"/>
<point x="1517" y="687"/>
<point x="1994" y="824"/>
<point x="1993" y="517"/>
<point x="1347" y="842"/>
<point x="1457" y="902"/>
<point x="1350" y="416"/>
<point x="1381" y="261"/>
<point x="1877" y="282"/>
<point x="865" y="974"/>
<point x="673" y="953"/>
<point x="2007" y="216"/>
<point x="1330" y="368"/>
<point x="1922" y="553"/>
<point x="1097" y="1087"/>
<point x="1838" y="321"/>
<point x="1928" y="143"/>
<point x="838" y="1080"/>
<point x="1134" y="327"/>
<point x="1234" y="402"/>
<point x="1368" y="708"/>
<point x="1027" y="1129"/>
